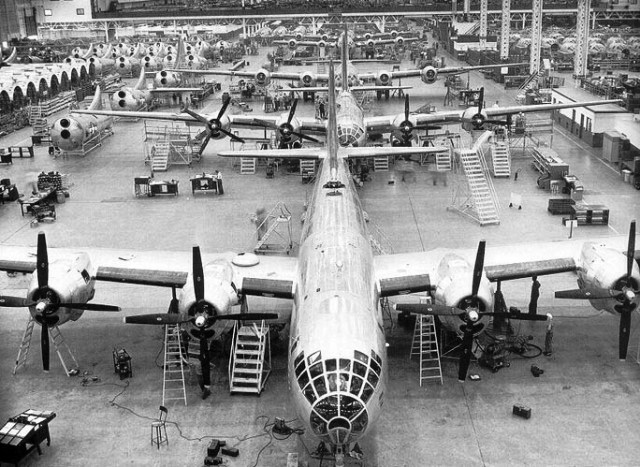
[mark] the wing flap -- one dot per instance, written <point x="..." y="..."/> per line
<point x="18" y="266"/>
<point x="272" y="288"/>
<point x="505" y="272"/>
<point x="142" y="276"/>
<point x="404" y="285"/>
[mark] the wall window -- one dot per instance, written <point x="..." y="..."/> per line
<point x="48" y="13"/>
<point x="79" y="11"/>
<point x="588" y="125"/>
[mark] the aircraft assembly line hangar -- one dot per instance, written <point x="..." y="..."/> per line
<point x="439" y="277"/>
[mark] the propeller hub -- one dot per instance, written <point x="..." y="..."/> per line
<point x="473" y="315"/>
<point x="41" y="307"/>
<point x="629" y="295"/>
<point x="200" y="321"/>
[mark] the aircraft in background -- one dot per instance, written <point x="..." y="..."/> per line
<point x="134" y="98"/>
<point x="70" y="133"/>
<point x="10" y="59"/>
<point x="337" y="359"/>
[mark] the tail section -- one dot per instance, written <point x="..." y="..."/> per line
<point x="96" y="103"/>
<point x="179" y="54"/>
<point x="142" y="81"/>
<point x="345" y="58"/>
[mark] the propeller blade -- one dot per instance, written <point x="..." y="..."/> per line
<point x="631" y="250"/>
<point x="231" y="135"/>
<point x="157" y="318"/>
<point x="292" y="111"/>
<point x="465" y="359"/>
<point x="520" y="316"/>
<point x="204" y="143"/>
<point x="42" y="259"/>
<point x="406" y="107"/>
<point x="248" y="316"/>
<point x="223" y="109"/>
<point x="424" y="309"/>
<point x="44" y="346"/>
<point x="579" y="294"/>
<point x="89" y="306"/>
<point x="625" y="331"/>
<point x="480" y="99"/>
<point x="198" y="274"/>
<point x="478" y="268"/>
<point x="303" y="136"/>
<point x="15" y="302"/>
<point x="204" y="361"/>
<point x="197" y="116"/>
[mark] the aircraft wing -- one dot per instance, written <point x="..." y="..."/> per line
<point x="161" y="90"/>
<point x="271" y="276"/>
<point x="451" y="70"/>
<point x="376" y="88"/>
<point x="242" y="73"/>
<point x="150" y="115"/>
<point x="415" y="272"/>
<point x="496" y="111"/>
<point x="321" y="153"/>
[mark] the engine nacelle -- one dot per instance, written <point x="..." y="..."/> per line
<point x="429" y="75"/>
<point x="70" y="133"/>
<point x="307" y="79"/>
<point x="394" y="34"/>
<point x="150" y="63"/>
<point x="97" y="63"/>
<point x="399" y="41"/>
<point x="368" y="36"/>
<point x="262" y="77"/>
<point x="370" y="43"/>
<point x="71" y="280"/>
<point x="292" y="44"/>
<point x="324" y="37"/>
<point x="604" y="268"/>
<point x="383" y="78"/>
<point x="453" y="288"/>
<point x="322" y="44"/>
<point x="219" y="291"/>
<point x="167" y="79"/>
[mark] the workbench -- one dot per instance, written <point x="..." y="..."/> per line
<point x="204" y="183"/>
<point x="163" y="187"/>
<point x="23" y="434"/>
<point x="38" y="200"/>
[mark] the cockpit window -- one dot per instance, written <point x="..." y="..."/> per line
<point x="314" y="357"/>
<point x="321" y="387"/>
<point x="331" y="364"/>
<point x="316" y="370"/>
<point x="85" y="276"/>
<point x="367" y="392"/>
<point x="361" y="357"/>
<point x="359" y="369"/>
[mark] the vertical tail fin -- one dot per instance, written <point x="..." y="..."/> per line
<point x="332" y="125"/>
<point x="96" y="103"/>
<point x="179" y="53"/>
<point x="345" y="57"/>
<point x="142" y="81"/>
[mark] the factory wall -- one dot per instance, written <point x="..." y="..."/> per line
<point x="63" y="11"/>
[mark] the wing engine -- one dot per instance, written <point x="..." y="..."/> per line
<point x="429" y="75"/>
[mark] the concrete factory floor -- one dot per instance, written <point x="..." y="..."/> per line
<point x="585" y="406"/>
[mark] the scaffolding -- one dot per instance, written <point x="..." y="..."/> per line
<point x="274" y="230"/>
<point x="530" y="132"/>
<point x="171" y="143"/>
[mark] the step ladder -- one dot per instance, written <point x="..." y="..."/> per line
<point x="500" y="159"/>
<point x="530" y="83"/>
<point x="247" y="165"/>
<point x="173" y="387"/>
<point x="381" y="164"/>
<point x="479" y="187"/>
<point x="61" y="348"/>
<point x="277" y="227"/>
<point x="425" y="346"/>
<point x="443" y="161"/>
<point x="160" y="159"/>
<point x="250" y="362"/>
<point x="308" y="168"/>
<point x="321" y="68"/>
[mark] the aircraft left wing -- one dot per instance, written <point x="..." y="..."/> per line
<point x="244" y="74"/>
<point x="270" y="276"/>
<point x="181" y="117"/>
<point x="449" y="70"/>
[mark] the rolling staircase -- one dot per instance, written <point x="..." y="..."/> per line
<point x="160" y="159"/>
<point x="276" y="227"/>
<point x="443" y="161"/>
<point x="480" y="189"/>
<point x="381" y="164"/>
<point x="425" y="346"/>
<point x="247" y="165"/>
<point x="500" y="159"/>
<point x="60" y="346"/>
<point x="308" y="168"/>
<point x="173" y="387"/>
<point x="250" y="362"/>
<point x="530" y="83"/>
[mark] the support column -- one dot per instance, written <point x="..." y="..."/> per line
<point x="536" y="36"/>
<point x="467" y="6"/>
<point x="484" y="7"/>
<point x="314" y="27"/>
<point x="244" y="26"/>
<point x="582" y="38"/>
<point x="506" y="29"/>
<point x="383" y="22"/>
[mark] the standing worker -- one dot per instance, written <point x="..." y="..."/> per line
<point x="321" y="108"/>
<point x="535" y="293"/>
<point x="219" y="177"/>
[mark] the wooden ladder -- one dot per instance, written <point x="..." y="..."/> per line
<point x="173" y="387"/>
<point x="381" y="164"/>
<point x="425" y="346"/>
<point x="247" y="165"/>
<point x="250" y="362"/>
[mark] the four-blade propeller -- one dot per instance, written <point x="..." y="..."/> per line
<point x="470" y="315"/>
<point x="406" y="127"/>
<point x="47" y="302"/>
<point x="202" y="315"/>
<point x="286" y="129"/>
<point x="625" y="292"/>
<point x="213" y="127"/>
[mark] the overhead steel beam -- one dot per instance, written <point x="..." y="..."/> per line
<point x="505" y="30"/>
<point x="536" y="36"/>
<point x="582" y="38"/>
<point x="484" y="8"/>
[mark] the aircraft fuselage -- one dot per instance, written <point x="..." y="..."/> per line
<point x="337" y="364"/>
<point x="350" y="119"/>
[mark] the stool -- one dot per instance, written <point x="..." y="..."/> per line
<point x="159" y="428"/>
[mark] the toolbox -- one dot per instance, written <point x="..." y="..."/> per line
<point x="522" y="411"/>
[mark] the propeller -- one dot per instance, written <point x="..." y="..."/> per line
<point x="213" y="126"/>
<point x="47" y="301"/>
<point x="470" y="315"/>
<point x="407" y="127"/>
<point x="479" y="120"/>
<point x="203" y="316"/>
<point x="625" y="294"/>
<point x="285" y="129"/>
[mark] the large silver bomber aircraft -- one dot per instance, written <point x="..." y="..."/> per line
<point x="338" y="365"/>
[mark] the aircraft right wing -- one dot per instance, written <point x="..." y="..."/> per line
<point x="181" y="117"/>
<point x="450" y="70"/>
